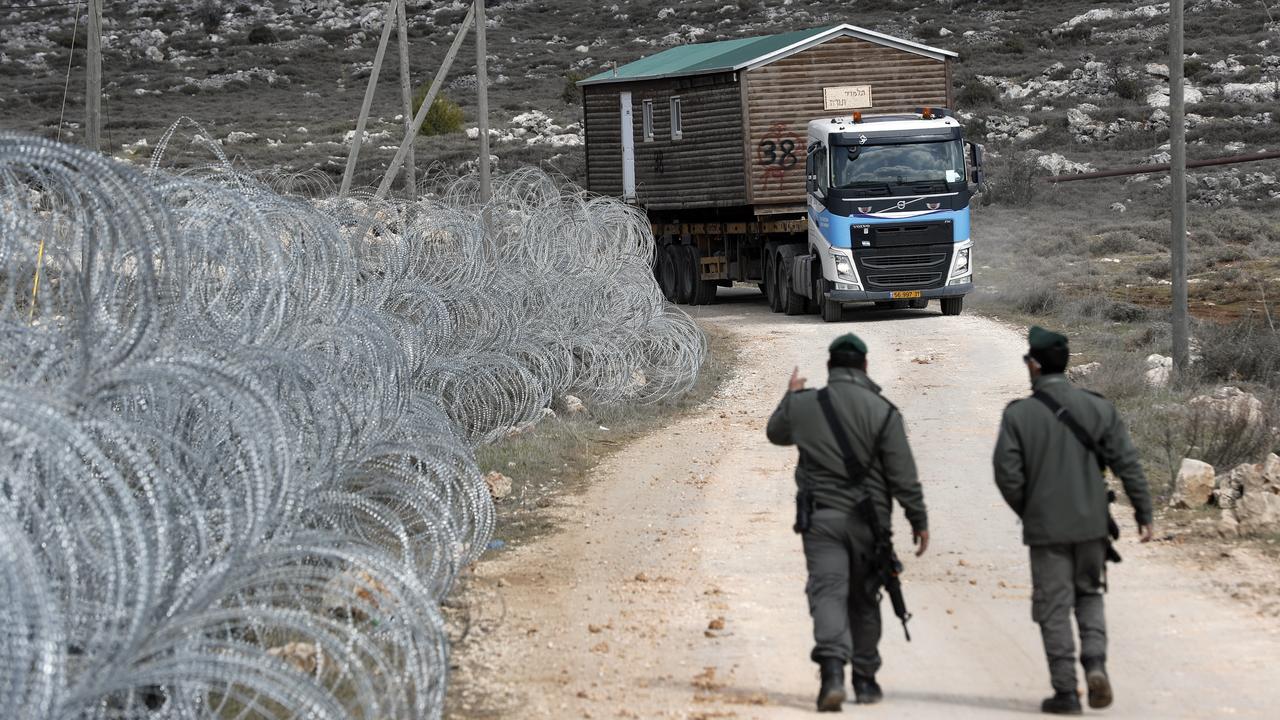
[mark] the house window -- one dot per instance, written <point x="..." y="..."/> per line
<point x="648" y="121"/>
<point x="677" y="127"/>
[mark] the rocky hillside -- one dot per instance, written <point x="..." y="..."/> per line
<point x="1076" y="84"/>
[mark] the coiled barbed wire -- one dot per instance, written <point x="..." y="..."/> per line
<point x="237" y="428"/>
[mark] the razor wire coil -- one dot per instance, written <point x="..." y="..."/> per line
<point x="237" y="425"/>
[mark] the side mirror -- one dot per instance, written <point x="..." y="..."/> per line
<point x="976" y="153"/>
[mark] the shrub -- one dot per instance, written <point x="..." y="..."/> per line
<point x="1245" y="350"/>
<point x="572" y="94"/>
<point x="1076" y="34"/>
<point x="1012" y="45"/>
<point x="1170" y="431"/>
<point x="1013" y="179"/>
<point x="262" y="35"/>
<point x="1114" y="242"/>
<point x="1129" y="88"/>
<point x="209" y="15"/>
<point x="443" y="117"/>
<point x="975" y="93"/>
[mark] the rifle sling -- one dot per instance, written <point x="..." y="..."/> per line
<point x="1076" y="429"/>
<point x="853" y="466"/>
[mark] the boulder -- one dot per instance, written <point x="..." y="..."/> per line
<point x="1230" y="404"/>
<point x="1228" y="525"/>
<point x="1081" y="373"/>
<point x="1271" y="472"/>
<point x="1258" y="512"/>
<point x="1194" y="485"/>
<point x="303" y="656"/>
<point x="499" y="485"/>
<point x="572" y="405"/>
<point x="1159" y="370"/>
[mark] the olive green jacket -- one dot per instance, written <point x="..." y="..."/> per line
<point x="1048" y="476"/>
<point x="799" y="421"/>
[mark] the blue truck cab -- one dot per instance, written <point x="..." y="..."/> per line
<point x="888" y="212"/>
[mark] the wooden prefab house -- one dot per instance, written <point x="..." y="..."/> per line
<point x="723" y="124"/>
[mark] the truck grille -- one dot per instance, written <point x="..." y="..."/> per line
<point x="913" y="267"/>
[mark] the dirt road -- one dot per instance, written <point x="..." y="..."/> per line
<point x="676" y="587"/>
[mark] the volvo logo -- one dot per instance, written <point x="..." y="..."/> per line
<point x="902" y="204"/>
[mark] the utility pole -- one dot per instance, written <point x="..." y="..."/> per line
<point x="93" y="79"/>
<point x="482" y="87"/>
<point x="358" y="138"/>
<point x="406" y="94"/>
<point x="1178" y="191"/>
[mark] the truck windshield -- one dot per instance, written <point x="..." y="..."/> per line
<point x="891" y="169"/>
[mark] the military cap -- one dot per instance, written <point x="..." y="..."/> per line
<point x="848" y="343"/>
<point x="1040" y="339"/>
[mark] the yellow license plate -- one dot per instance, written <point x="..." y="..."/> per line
<point x="904" y="294"/>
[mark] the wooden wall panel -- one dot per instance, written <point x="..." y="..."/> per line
<point x="702" y="169"/>
<point x="783" y="96"/>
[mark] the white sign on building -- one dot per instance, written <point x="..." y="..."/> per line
<point x="846" y="97"/>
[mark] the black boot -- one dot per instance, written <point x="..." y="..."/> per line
<point x="831" y="696"/>
<point x="1062" y="703"/>
<point x="1095" y="675"/>
<point x="867" y="690"/>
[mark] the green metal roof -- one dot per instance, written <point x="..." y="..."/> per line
<point x="732" y="55"/>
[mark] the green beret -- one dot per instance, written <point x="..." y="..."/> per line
<point x="1040" y="339"/>
<point x="849" y="343"/>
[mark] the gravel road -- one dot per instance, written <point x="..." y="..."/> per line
<point x="676" y="586"/>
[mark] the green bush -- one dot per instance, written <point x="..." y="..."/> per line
<point x="572" y="94"/>
<point x="1129" y="88"/>
<point x="1245" y="350"/>
<point x="975" y="93"/>
<point x="262" y="35"/>
<point x="1013" y="179"/>
<point x="443" y="117"/>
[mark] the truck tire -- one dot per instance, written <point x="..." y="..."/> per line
<point x="685" y="273"/>
<point x="793" y="303"/>
<point x="705" y="292"/>
<point x="773" y="291"/>
<point x="952" y="305"/>
<point x="667" y="272"/>
<point x="832" y="311"/>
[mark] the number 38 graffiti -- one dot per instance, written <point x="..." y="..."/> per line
<point x="779" y="151"/>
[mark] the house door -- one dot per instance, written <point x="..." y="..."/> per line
<point x="628" y="149"/>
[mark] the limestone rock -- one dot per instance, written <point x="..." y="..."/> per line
<point x="303" y="656"/>
<point x="499" y="485"/>
<point x="1194" y="485"/>
<point x="1230" y="404"/>
<point x="1258" y="512"/>
<point x="572" y="405"/>
<point x="1271" y="472"/>
<point x="1081" y="373"/>
<point x="1159" y="370"/>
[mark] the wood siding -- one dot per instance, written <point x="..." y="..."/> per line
<point x="704" y="168"/>
<point x="783" y="96"/>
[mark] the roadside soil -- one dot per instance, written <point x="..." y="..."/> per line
<point x="674" y="586"/>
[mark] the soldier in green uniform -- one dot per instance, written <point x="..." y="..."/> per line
<point x="843" y="586"/>
<point x="1048" y="465"/>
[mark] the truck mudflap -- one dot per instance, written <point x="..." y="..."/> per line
<point x="864" y="296"/>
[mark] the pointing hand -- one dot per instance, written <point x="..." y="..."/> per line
<point x="797" y="382"/>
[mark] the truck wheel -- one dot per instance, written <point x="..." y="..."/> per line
<point x="952" y="305"/>
<point x="685" y="273"/>
<point x="792" y="301"/>
<point x="667" y="272"/>
<point x="815" y="294"/>
<point x="832" y="311"/>
<point x="774" y="290"/>
<point x="705" y="293"/>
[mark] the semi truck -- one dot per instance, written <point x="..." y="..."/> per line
<point x="822" y="166"/>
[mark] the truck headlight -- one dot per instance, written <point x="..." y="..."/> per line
<point x="844" y="268"/>
<point x="962" y="262"/>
